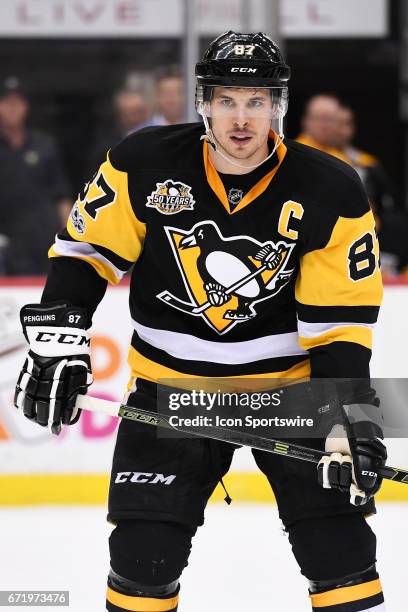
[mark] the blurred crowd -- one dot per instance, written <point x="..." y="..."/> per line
<point x="330" y="126"/>
<point x="36" y="195"/>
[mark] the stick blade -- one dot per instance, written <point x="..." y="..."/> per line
<point x="171" y="300"/>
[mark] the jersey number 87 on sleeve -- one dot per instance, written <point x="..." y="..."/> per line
<point x="361" y="257"/>
<point x="106" y="196"/>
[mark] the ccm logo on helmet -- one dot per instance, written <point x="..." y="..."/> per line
<point x="144" y="478"/>
<point x="63" y="338"/>
<point x="367" y="473"/>
<point x="243" y="69"/>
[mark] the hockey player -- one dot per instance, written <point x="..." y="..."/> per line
<point x="253" y="256"/>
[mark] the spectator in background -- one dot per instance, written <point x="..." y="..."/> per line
<point x="392" y="223"/>
<point x="131" y="113"/>
<point x="329" y="126"/>
<point x="320" y="125"/>
<point x="35" y="196"/>
<point x="169" y="97"/>
<point x="374" y="178"/>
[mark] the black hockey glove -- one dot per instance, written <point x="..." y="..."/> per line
<point x="57" y="367"/>
<point x="356" y="453"/>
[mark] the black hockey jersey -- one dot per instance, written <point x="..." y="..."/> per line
<point x="224" y="290"/>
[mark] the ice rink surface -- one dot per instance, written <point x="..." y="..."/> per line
<point x="241" y="559"/>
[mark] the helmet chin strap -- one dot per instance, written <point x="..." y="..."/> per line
<point x="210" y="138"/>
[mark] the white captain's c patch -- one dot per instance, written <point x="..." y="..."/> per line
<point x="225" y="277"/>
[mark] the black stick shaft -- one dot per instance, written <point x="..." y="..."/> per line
<point x="288" y="449"/>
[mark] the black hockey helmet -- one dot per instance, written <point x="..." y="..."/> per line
<point x="242" y="60"/>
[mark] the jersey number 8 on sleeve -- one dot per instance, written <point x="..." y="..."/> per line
<point x="361" y="258"/>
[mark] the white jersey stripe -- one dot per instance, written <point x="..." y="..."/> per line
<point x="84" y="249"/>
<point x="313" y="330"/>
<point x="191" y="348"/>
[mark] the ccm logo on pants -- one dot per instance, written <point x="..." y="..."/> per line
<point x="144" y="478"/>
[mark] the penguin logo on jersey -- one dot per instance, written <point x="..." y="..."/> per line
<point x="170" y="197"/>
<point x="226" y="277"/>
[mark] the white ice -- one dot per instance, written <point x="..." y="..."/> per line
<point x="241" y="559"/>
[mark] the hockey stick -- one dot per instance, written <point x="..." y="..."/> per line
<point x="223" y="434"/>
<point x="189" y="308"/>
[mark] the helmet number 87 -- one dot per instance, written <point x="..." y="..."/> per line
<point x="361" y="258"/>
<point x="244" y="49"/>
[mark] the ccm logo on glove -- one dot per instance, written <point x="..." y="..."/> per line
<point x="63" y="338"/>
<point x="366" y="473"/>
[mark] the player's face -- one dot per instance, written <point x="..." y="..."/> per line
<point x="241" y="120"/>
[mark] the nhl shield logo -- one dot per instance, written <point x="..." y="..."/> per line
<point x="235" y="196"/>
<point x="171" y="197"/>
<point x="225" y="277"/>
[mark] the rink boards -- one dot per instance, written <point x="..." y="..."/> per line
<point x="36" y="467"/>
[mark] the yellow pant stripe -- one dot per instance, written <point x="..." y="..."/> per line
<point x="346" y="594"/>
<point x="141" y="604"/>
